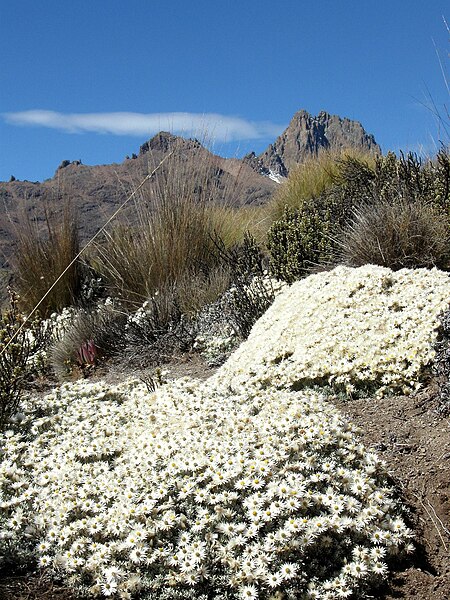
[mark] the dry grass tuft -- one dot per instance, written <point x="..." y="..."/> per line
<point x="397" y="235"/>
<point x="312" y="178"/>
<point x="178" y="220"/>
<point x="41" y="257"/>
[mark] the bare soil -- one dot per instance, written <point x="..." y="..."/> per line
<point x="411" y="435"/>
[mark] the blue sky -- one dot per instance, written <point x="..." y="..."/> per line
<point x="94" y="79"/>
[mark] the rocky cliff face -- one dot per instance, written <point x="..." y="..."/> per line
<point x="306" y="136"/>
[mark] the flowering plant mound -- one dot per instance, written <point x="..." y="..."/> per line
<point x="351" y="328"/>
<point x="234" y="487"/>
<point x="195" y="490"/>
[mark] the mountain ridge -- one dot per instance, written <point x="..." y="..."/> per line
<point x="305" y="136"/>
<point x="95" y="192"/>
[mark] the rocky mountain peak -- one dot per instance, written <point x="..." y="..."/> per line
<point x="306" y="136"/>
<point x="165" y="142"/>
<point x="162" y="142"/>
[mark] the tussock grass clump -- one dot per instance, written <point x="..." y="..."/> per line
<point x="88" y="336"/>
<point x="196" y="290"/>
<point x="401" y="214"/>
<point x="174" y="239"/>
<point x="41" y="257"/>
<point x="396" y="235"/>
<point x="177" y="221"/>
<point x="314" y="177"/>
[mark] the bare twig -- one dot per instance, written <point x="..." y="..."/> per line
<point x="438" y="519"/>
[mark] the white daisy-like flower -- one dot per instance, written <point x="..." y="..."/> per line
<point x="138" y="553"/>
<point x="379" y="568"/>
<point x="248" y="592"/>
<point x="45" y="560"/>
<point x="288" y="570"/>
<point x="108" y="587"/>
<point x="358" y="569"/>
<point x="273" y="580"/>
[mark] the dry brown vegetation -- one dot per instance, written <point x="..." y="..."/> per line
<point x="41" y="257"/>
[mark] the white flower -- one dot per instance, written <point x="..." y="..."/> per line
<point x="249" y="592"/>
<point x="108" y="587"/>
<point x="358" y="569"/>
<point x="379" y="568"/>
<point x="288" y="570"/>
<point x="138" y="554"/>
<point x="45" y="561"/>
<point x="274" y="580"/>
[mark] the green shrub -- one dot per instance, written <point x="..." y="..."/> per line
<point x="441" y="365"/>
<point x="441" y="184"/>
<point x="314" y="178"/>
<point x="300" y="240"/>
<point x="391" y="178"/>
<point x="252" y="291"/>
<point x="318" y="198"/>
<point x="396" y="234"/>
<point x="21" y="356"/>
<point x="389" y="210"/>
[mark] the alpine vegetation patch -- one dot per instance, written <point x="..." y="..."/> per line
<point x="248" y="485"/>
<point x="193" y="491"/>
<point x="368" y="328"/>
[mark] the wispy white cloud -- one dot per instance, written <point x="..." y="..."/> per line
<point x="221" y="128"/>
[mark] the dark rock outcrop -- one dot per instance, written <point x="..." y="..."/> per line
<point x="306" y="136"/>
<point x="67" y="163"/>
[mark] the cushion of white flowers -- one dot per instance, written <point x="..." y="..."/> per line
<point x="238" y="486"/>
<point x="195" y="490"/>
<point x="364" y="327"/>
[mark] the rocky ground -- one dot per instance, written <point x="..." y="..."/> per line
<point x="412" y="435"/>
